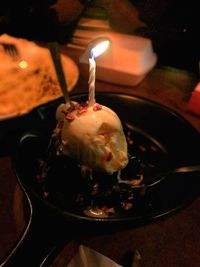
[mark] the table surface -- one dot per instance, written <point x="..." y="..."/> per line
<point x="172" y="241"/>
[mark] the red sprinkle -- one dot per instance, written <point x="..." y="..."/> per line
<point x="97" y="107"/>
<point x="108" y="156"/>
<point x="142" y="148"/>
<point x="154" y="148"/>
<point x="69" y="117"/>
<point x="81" y="110"/>
<point x="73" y="106"/>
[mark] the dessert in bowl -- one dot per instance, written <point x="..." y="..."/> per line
<point x="110" y="162"/>
<point x="136" y="193"/>
<point x="93" y="135"/>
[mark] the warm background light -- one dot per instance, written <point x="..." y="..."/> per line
<point x="23" y="64"/>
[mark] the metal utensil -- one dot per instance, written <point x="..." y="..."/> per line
<point x="182" y="169"/>
<point x="161" y="176"/>
<point x="10" y="49"/>
<point x="55" y="54"/>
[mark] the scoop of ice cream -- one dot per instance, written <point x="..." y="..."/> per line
<point x="93" y="135"/>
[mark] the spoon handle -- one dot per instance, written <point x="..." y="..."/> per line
<point x="182" y="169"/>
<point x="190" y="168"/>
<point x="55" y="54"/>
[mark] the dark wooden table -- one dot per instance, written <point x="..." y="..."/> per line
<point x="170" y="242"/>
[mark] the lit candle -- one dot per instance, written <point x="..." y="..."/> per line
<point x="95" y="52"/>
<point x="91" y="81"/>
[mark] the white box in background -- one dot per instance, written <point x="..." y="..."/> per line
<point x="126" y="62"/>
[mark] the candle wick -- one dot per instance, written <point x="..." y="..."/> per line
<point x="91" y="54"/>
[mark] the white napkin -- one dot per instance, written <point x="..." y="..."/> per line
<point x="86" y="257"/>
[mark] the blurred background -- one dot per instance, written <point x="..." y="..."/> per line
<point x="173" y="26"/>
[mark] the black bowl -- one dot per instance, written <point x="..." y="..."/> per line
<point x="163" y="139"/>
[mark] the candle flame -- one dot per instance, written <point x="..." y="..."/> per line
<point x="95" y="51"/>
<point x="100" y="48"/>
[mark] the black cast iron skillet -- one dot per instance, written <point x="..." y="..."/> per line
<point x="162" y="140"/>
